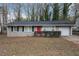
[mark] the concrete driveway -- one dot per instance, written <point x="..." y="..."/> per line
<point x="73" y="38"/>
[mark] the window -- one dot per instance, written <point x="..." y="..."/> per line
<point x="12" y="28"/>
<point x="32" y="28"/>
<point x="17" y="28"/>
<point x="26" y="29"/>
<point x="22" y="28"/>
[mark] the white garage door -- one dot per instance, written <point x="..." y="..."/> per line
<point x="64" y="31"/>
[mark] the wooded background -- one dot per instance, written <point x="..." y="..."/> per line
<point x="10" y="12"/>
<point x="39" y="11"/>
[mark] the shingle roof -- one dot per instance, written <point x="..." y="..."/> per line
<point x="41" y="23"/>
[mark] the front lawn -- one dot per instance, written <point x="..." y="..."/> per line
<point x="35" y="46"/>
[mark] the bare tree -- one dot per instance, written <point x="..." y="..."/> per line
<point x="4" y="21"/>
<point x="17" y="11"/>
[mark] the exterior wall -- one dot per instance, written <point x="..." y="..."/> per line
<point x="19" y="33"/>
<point x="45" y="28"/>
<point x="65" y="31"/>
<point x="48" y="28"/>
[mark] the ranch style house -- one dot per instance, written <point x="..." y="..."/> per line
<point x="28" y="28"/>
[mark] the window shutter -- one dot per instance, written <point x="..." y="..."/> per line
<point x="12" y="28"/>
<point x="23" y="28"/>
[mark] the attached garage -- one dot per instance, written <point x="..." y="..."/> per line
<point x="65" y="31"/>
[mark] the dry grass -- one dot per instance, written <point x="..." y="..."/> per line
<point x="35" y="46"/>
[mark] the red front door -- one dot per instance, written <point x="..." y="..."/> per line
<point x="38" y="28"/>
